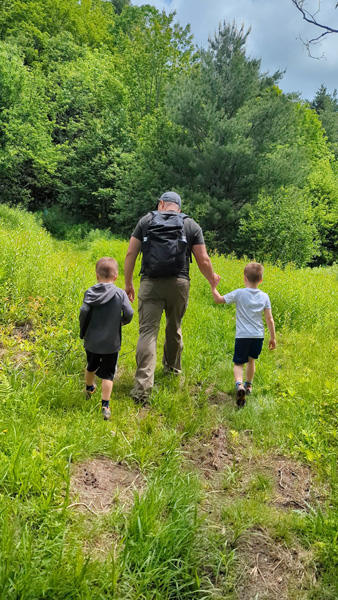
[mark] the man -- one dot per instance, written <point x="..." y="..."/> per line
<point x="168" y="292"/>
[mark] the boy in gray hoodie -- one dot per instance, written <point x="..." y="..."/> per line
<point x="105" y="308"/>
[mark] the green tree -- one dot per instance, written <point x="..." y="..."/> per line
<point x="33" y="23"/>
<point x="326" y="106"/>
<point x="238" y="134"/>
<point x="28" y="159"/>
<point x="88" y="106"/>
<point x="119" y="5"/>
<point x="280" y="228"/>
<point x="153" y="51"/>
<point x="322" y="192"/>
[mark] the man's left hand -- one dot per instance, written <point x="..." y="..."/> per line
<point x="130" y="292"/>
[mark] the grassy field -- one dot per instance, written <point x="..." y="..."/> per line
<point x="234" y="504"/>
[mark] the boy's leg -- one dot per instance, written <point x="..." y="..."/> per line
<point x="240" y="391"/>
<point x="90" y="375"/>
<point x="93" y="361"/>
<point x="254" y="352"/>
<point x="250" y="369"/>
<point x="107" y="372"/>
<point x="238" y="373"/>
<point x="240" y="358"/>
<point x="107" y="387"/>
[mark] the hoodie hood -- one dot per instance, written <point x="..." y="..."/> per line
<point x="100" y="293"/>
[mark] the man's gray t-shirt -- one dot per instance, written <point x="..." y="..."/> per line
<point x="192" y="232"/>
<point x="250" y="303"/>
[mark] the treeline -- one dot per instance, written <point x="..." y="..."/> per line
<point x="104" y="105"/>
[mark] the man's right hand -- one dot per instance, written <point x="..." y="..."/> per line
<point x="130" y="292"/>
<point x="215" y="280"/>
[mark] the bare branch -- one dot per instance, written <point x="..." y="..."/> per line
<point x="312" y="19"/>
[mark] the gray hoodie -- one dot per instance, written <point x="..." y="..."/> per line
<point x="105" y="307"/>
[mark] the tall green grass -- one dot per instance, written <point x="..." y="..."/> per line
<point x="45" y="425"/>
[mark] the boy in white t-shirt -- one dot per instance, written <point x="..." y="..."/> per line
<point x="250" y="304"/>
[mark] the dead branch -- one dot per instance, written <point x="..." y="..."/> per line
<point x="312" y="19"/>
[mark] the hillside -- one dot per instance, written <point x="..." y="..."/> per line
<point x="187" y="497"/>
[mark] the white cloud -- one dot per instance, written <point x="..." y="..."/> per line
<point x="275" y="27"/>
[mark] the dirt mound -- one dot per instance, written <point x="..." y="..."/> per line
<point x="97" y="483"/>
<point x="213" y="456"/>
<point x="291" y="485"/>
<point x="22" y="330"/>
<point x="220" y="398"/>
<point x="270" y="570"/>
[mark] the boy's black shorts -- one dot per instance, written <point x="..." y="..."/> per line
<point x="104" y="365"/>
<point x="245" y="347"/>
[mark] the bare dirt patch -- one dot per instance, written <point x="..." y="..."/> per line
<point x="293" y="487"/>
<point x="220" y="398"/>
<point x="98" y="483"/>
<point x="269" y="570"/>
<point x="212" y="456"/>
<point x="22" y="331"/>
<point x="292" y="482"/>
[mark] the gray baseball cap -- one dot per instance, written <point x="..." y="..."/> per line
<point x="171" y="197"/>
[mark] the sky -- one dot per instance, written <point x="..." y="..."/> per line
<point x="276" y="26"/>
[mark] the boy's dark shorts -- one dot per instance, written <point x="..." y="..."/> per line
<point x="104" y="365"/>
<point x="245" y="347"/>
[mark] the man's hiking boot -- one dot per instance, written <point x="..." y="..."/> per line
<point x="106" y="413"/>
<point x="139" y="396"/>
<point x="240" y="396"/>
<point x="89" y="393"/>
<point x="171" y="370"/>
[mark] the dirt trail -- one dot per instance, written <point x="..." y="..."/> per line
<point x="267" y="568"/>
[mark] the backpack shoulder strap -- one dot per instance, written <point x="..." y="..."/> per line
<point x="146" y="226"/>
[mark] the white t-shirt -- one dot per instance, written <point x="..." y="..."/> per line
<point x="250" y="303"/>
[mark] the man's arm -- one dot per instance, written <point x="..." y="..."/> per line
<point x="271" y="327"/>
<point x="129" y="265"/>
<point x="127" y="311"/>
<point x="204" y="264"/>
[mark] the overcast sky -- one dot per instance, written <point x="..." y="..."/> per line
<point x="275" y="28"/>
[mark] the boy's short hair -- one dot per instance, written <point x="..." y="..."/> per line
<point x="107" y="267"/>
<point x="254" y="272"/>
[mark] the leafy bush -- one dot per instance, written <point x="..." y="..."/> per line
<point x="280" y="229"/>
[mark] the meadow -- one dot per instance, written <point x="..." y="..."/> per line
<point x="218" y="496"/>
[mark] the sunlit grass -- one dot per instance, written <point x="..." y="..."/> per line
<point x="45" y="424"/>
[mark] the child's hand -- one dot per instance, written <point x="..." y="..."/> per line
<point x="272" y="344"/>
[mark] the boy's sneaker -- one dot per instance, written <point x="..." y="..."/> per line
<point x="248" y="389"/>
<point x="240" y="395"/>
<point x="90" y="392"/>
<point x="106" y="413"/>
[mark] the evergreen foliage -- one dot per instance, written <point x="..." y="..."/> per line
<point x="103" y="105"/>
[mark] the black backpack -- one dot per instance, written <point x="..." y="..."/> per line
<point x="164" y="245"/>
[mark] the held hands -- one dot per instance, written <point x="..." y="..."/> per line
<point x="215" y="293"/>
<point x="272" y="344"/>
<point x="214" y="281"/>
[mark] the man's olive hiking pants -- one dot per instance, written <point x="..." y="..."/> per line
<point x="169" y="294"/>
